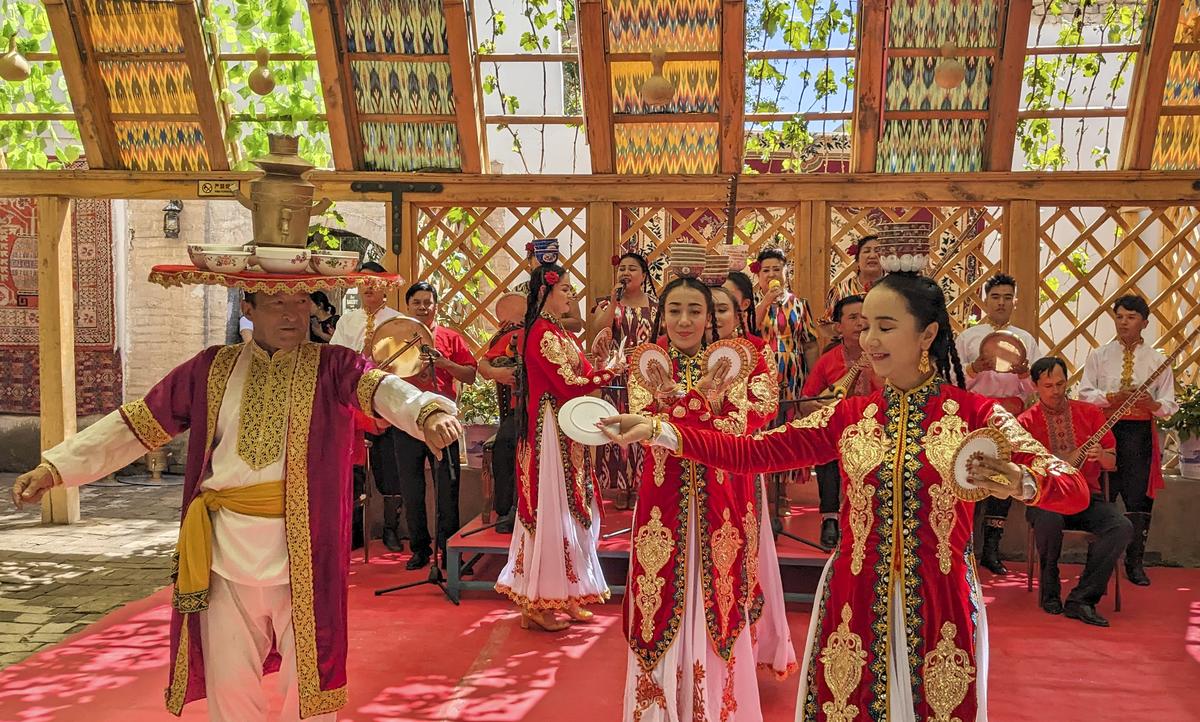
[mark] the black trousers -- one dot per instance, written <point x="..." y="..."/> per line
<point x="411" y="456"/>
<point x="385" y="467"/>
<point x="993" y="508"/>
<point x="504" y="465"/>
<point x="1112" y="531"/>
<point x="829" y="486"/>
<point x="356" y="520"/>
<point x="1131" y="480"/>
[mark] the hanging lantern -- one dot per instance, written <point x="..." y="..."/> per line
<point x="950" y="71"/>
<point x="171" y="218"/>
<point x="260" y="80"/>
<point x="13" y="66"/>
<point x="657" y="90"/>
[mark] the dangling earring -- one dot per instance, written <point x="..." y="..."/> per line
<point x="923" y="366"/>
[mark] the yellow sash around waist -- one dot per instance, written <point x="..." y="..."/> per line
<point x="194" y="549"/>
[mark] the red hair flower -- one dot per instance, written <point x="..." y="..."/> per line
<point x="616" y="260"/>
<point x="853" y="249"/>
<point x="529" y="247"/>
<point x="551" y="278"/>
<point x="755" y="267"/>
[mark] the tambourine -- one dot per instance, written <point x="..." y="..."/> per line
<point x="397" y="345"/>
<point x="981" y="442"/>
<point x="1007" y="348"/>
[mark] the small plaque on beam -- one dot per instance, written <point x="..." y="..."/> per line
<point x="217" y="189"/>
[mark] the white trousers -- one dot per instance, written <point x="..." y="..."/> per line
<point x="237" y="630"/>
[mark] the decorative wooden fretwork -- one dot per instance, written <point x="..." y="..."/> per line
<point x="1090" y="256"/>
<point x="474" y="255"/>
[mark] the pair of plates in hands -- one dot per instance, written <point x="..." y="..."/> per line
<point x="739" y="352"/>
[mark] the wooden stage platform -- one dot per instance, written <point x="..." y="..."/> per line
<point x="475" y="559"/>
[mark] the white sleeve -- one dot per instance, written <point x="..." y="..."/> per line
<point x="341" y="333"/>
<point x="1089" y="383"/>
<point x="401" y="404"/>
<point x="1163" y="391"/>
<point x="1028" y="488"/>
<point x="102" y="448"/>
<point x="667" y="437"/>
<point x="245" y="324"/>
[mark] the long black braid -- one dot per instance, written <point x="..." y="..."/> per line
<point x="539" y="291"/>
<point x="746" y="287"/>
<point x="708" y="302"/>
<point x="927" y="302"/>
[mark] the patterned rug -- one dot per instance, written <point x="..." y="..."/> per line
<point x="98" y="363"/>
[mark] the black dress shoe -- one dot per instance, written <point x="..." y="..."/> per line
<point x="1052" y="605"/>
<point x="506" y="524"/>
<point x="829" y="534"/>
<point x="1137" y="575"/>
<point x="391" y="540"/>
<point x="418" y="560"/>
<point x="1085" y="613"/>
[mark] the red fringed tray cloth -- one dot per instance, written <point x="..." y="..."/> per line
<point x="257" y="282"/>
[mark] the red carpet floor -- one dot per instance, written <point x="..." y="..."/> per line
<point x="413" y="656"/>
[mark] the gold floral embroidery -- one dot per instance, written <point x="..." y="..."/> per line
<point x="639" y="396"/>
<point x="140" y="420"/>
<point x="843" y="659"/>
<point x="647" y="694"/>
<point x="725" y="544"/>
<point x="519" y="565"/>
<point x="660" y="464"/>
<point x="750" y="523"/>
<point x="863" y="448"/>
<point x="572" y="577"/>
<point x="818" y="419"/>
<point x="525" y="462"/>
<point x="948" y="676"/>
<point x="429" y="409"/>
<point x="559" y="352"/>
<point x="177" y="690"/>
<point x="263" y="420"/>
<point x="765" y="394"/>
<point x="693" y="404"/>
<point x="300" y="393"/>
<point x="941" y="442"/>
<point x="728" y="698"/>
<point x="698" y="710"/>
<point x="218" y="379"/>
<point x="653" y="545"/>
<point x="367" y="385"/>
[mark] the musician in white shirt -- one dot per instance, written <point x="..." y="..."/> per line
<point x="1110" y="376"/>
<point x="1011" y="389"/>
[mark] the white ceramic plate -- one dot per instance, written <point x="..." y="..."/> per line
<point x="577" y="418"/>
<point x="647" y="354"/>
<point x="726" y="352"/>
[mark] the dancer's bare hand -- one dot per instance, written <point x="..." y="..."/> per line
<point x="441" y="430"/>
<point x="981" y="469"/>
<point x="629" y="428"/>
<point x="714" y="383"/>
<point x="30" y="487"/>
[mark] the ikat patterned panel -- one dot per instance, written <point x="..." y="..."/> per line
<point x="696" y="86"/>
<point x="931" y="146"/>
<point x="1177" y="146"/>
<point x="162" y="146"/>
<point x="910" y="85"/>
<point x="410" y="146"/>
<point x="148" y="86"/>
<point x="134" y="26"/>
<point x="636" y="26"/>
<point x="402" y="88"/>
<point x="666" y="148"/>
<point x="930" y="23"/>
<point x="410" y="27"/>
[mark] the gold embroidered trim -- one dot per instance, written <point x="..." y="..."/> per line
<point x="168" y="276"/>
<point x="524" y="462"/>
<point x="429" y="409"/>
<point x="301" y="392"/>
<point x="660" y="464"/>
<point x="948" y="676"/>
<point x="863" y="448"/>
<point x="941" y="442"/>
<point x="766" y="395"/>
<point x="558" y="352"/>
<point x="263" y="422"/>
<point x="519" y="565"/>
<point x="140" y="420"/>
<point x="652" y="545"/>
<point x="546" y="605"/>
<point x="572" y="577"/>
<point x="177" y="690"/>
<point x="750" y="523"/>
<point x="843" y="659"/>
<point x="725" y="544"/>
<point x="218" y="379"/>
<point x="190" y="602"/>
<point x="1043" y="464"/>
<point x="368" y="383"/>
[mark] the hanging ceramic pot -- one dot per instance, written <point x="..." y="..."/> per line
<point x="657" y="90"/>
<point x="950" y="71"/>
<point x="13" y="66"/>
<point x="261" y="81"/>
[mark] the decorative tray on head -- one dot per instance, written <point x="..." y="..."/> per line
<point x="259" y="282"/>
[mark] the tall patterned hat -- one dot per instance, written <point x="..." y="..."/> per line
<point x="687" y="260"/>
<point x="904" y="246"/>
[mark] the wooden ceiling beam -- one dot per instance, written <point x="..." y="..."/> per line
<point x="463" y="78"/>
<point x="1149" y="82"/>
<point x="338" y="114"/>
<point x="90" y="105"/>
<point x="1004" y="101"/>
<point x="868" y="85"/>
<point x="596" y="86"/>
<point x="212" y="112"/>
<point x="732" y="91"/>
<point x="1094" y="188"/>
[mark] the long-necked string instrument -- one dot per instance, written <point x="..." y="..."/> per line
<point x="731" y="209"/>
<point x="1081" y="453"/>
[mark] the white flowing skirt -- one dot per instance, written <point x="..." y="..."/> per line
<point x="691" y="681"/>
<point x="899" y="678"/>
<point x="557" y="566"/>
<point x="773" y="648"/>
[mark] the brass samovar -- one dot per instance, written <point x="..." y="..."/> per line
<point x="281" y="201"/>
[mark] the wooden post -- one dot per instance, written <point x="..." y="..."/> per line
<point x="811" y="254"/>
<point x="56" y="344"/>
<point x="1005" y="98"/>
<point x="1149" y="82"/>
<point x="732" y="96"/>
<point x="462" y="76"/>
<point x="200" y="66"/>
<point x="1022" y="261"/>
<point x="602" y="246"/>
<point x="330" y="71"/>
<point x="868" y="103"/>
<point x="596" y="86"/>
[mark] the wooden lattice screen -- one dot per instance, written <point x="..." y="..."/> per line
<point x="1090" y="256"/>
<point x="473" y="255"/>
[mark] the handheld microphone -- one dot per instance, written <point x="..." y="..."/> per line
<point x="774" y="284"/>
<point x="621" y="289"/>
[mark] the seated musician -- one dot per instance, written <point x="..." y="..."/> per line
<point x="1063" y="425"/>
<point x="833" y="366"/>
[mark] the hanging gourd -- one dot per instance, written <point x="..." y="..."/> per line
<point x="261" y="81"/>
<point x="950" y="71"/>
<point x="657" y="90"/>
<point x="13" y="66"/>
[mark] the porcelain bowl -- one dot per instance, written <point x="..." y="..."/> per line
<point x="225" y="261"/>
<point x="282" y="260"/>
<point x="196" y="251"/>
<point x="334" y="263"/>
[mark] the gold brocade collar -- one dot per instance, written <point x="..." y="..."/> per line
<point x="1130" y="349"/>
<point x="547" y="317"/>
<point x="281" y="355"/>
<point x="689" y="366"/>
<point x="916" y="396"/>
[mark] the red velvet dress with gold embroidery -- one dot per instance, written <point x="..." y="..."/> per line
<point x="904" y="568"/>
